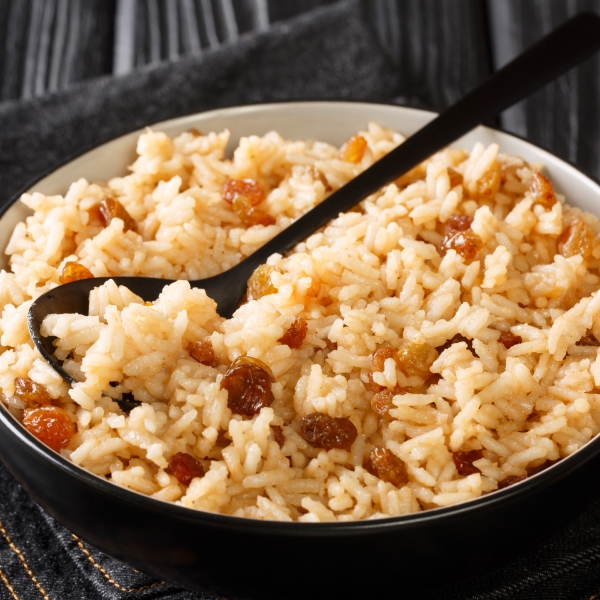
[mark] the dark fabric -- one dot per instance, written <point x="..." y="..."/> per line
<point x="307" y="58"/>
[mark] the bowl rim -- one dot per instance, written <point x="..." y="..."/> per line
<point x="529" y="486"/>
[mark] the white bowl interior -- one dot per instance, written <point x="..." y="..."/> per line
<point x="333" y="122"/>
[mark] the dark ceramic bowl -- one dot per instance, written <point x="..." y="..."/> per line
<point x="243" y="558"/>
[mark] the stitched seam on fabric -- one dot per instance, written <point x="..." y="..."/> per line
<point x="107" y="576"/>
<point x="7" y="584"/>
<point x="25" y="565"/>
<point x="574" y="563"/>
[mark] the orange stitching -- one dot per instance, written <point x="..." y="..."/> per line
<point x="25" y="565"/>
<point x="107" y="576"/>
<point x="7" y="584"/>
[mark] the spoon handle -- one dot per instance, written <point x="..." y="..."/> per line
<point x="554" y="54"/>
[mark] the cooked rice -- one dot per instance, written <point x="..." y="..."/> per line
<point x="371" y="278"/>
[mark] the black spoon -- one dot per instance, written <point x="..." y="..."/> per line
<point x="562" y="49"/>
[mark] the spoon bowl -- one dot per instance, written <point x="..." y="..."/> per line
<point x="564" y="48"/>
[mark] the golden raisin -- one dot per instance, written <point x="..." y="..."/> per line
<point x="489" y="183"/>
<point x="33" y="394"/>
<point x="387" y="466"/>
<point x="260" y="284"/>
<point x="464" y="461"/>
<point x="456" y="223"/>
<point x="278" y="435"/>
<point x="378" y="364"/>
<point x="508" y="340"/>
<point x="576" y="238"/>
<point x="510" y="480"/>
<point x="381" y="402"/>
<point x="248" y="384"/>
<point x="112" y="209"/>
<point x="455" y="177"/>
<point x="542" y="191"/>
<point x="95" y="214"/>
<point x="295" y="334"/>
<point x="323" y="431"/>
<point x="249" y="214"/>
<point x="73" y="271"/>
<point x="184" y="467"/>
<point x="51" y="425"/>
<point x="195" y="132"/>
<point x="416" y="359"/>
<point x="249" y="188"/>
<point x="466" y="243"/>
<point x="354" y="149"/>
<point x="203" y="352"/>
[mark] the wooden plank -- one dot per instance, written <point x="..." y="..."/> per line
<point x="16" y="14"/>
<point x="441" y="48"/>
<point x="563" y="117"/>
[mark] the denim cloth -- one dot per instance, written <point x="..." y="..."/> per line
<point x="329" y="53"/>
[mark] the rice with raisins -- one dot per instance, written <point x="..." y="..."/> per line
<point x="433" y="346"/>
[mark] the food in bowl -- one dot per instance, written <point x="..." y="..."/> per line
<point x="437" y="343"/>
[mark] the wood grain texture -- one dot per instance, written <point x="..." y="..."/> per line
<point x="49" y="44"/>
<point x="564" y="117"/>
<point x="441" y="48"/>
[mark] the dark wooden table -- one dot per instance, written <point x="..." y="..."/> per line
<point x="442" y="48"/>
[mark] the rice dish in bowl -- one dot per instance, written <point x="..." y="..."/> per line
<point x="445" y="330"/>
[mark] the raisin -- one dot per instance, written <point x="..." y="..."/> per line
<point x="249" y="214"/>
<point x="387" y="466"/>
<point x="323" y="431"/>
<point x="378" y="364"/>
<point x="330" y="346"/>
<point x="295" y="334"/>
<point x="464" y="461"/>
<point x="278" y="435"/>
<point x="455" y="340"/>
<point x="185" y="467"/>
<point x="489" y="183"/>
<point x="260" y="284"/>
<point x="509" y="340"/>
<point x="33" y="394"/>
<point x="73" y="271"/>
<point x="95" y="214"/>
<point x="416" y="359"/>
<point x="195" y="132"/>
<point x="542" y="191"/>
<point x="51" y="425"/>
<point x="248" y="188"/>
<point x="576" y="238"/>
<point x="112" y="209"/>
<point x="588" y="340"/>
<point x="466" y="243"/>
<point x="510" y="480"/>
<point x="412" y="359"/>
<point x="456" y="223"/>
<point x="455" y="177"/>
<point x="203" y="352"/>
<point x="381" y="402"/>
<point x="354" y="149"/>
<point x="248" y="384"/>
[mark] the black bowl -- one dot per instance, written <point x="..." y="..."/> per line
<point x="242" y="558"/>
